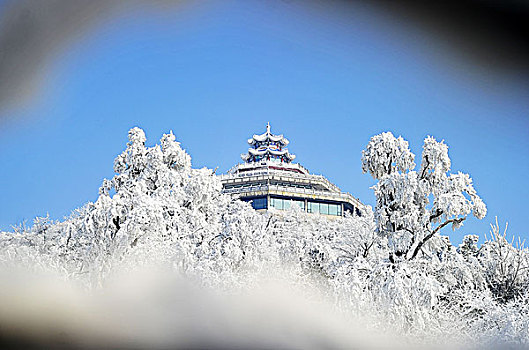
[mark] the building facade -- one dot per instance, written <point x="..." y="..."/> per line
<point x="269" y="179"/>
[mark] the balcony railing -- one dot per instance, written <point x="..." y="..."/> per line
<point x="340" y="196"/>
<point x="283" y="174"/>
<point x="241" y="167"/>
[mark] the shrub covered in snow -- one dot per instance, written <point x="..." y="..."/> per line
<point x="390" y="267"/>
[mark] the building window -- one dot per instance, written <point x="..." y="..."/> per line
<point x="279" y="203"/>
<point x="285" y="203"/>
<point x="313" y="207"/>
<point x="325" y="208"/>
<point x="259" y="203"/>
<point x="335" y="209"/>
<point x="300" y="204"/>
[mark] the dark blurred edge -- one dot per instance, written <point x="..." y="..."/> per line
<point x="491" y="33"/>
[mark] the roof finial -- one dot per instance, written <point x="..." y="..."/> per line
<point x="268" y="127"/>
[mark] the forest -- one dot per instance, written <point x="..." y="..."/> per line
<point x="391" y="271"/>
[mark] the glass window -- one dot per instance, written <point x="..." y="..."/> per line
<point x="259" y="203"/>
<point x="324" y="208"/>
<point x="313" y="207"/>
<point x="299" y="203"/>
<point x="286" y="203"/>
<point x="333" y="209"/>
<point x="276" y="203"/>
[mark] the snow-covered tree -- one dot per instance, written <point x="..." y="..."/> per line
<point x="412" y="207"/>
<point x="158" y="210"/>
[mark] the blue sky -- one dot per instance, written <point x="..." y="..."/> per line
<point x="218" y="72"/>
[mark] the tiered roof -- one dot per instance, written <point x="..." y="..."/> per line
<point x="268" y="147"/>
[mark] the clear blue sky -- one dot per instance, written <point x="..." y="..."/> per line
<point x="216" y="73"/>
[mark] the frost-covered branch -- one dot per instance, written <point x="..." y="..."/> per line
<point x="159" y="211"/>
<point x="409" y="203"/>
<point x="433" y="233"/>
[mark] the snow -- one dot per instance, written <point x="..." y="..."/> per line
<point x="268" y="137"/>
<point x="158" y="211"/>
<point x="412" y="207"/>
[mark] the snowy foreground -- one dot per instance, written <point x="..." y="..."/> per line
<point x="162" y="259"/>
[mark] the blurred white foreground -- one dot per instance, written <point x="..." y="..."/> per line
<point x="157" y="309"/>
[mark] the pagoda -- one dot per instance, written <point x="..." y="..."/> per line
<point x="268" y="147"/>
<point x="268" y="179"/>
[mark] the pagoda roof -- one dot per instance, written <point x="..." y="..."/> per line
<point x="268" y="136"/>
<point x="268" y="146"/>
<point x="267" y="151"/>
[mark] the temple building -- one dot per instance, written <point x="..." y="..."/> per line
<point x="269" y="179"/>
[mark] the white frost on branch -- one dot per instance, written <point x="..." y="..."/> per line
<point x="412" y="207"/>
<point x="390" y="268"/>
